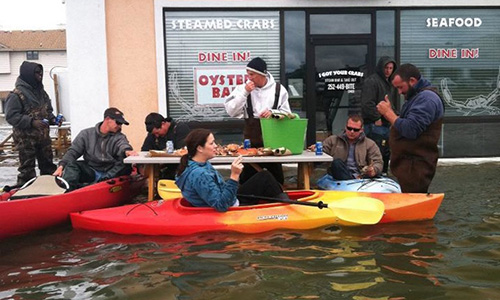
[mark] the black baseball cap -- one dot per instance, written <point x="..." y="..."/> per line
<point x="115" y="114"/>
<point x="155" y="120"/>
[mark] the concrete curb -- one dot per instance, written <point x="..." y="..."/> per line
<point x="467" y="161"/>
<point x="441" y="162"/>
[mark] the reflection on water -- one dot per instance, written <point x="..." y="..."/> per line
<point x="455" y="256"/>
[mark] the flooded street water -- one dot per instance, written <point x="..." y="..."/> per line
<point x="454" y="256"/>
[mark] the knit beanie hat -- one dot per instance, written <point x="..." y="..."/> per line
<point x="258" y="65"/>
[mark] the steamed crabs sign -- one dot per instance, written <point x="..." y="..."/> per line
<point x="207" y="54"/>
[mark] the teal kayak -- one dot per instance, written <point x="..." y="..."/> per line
<point x="373" y="185"/>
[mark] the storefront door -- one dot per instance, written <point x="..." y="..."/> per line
<point x="336" y="70"/>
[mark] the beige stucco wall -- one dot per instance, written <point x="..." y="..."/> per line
<point x="131" y="55"/>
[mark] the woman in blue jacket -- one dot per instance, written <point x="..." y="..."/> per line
<point x="202" y="185"/>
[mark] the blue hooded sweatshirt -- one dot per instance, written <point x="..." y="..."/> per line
<point x="202" y="185"/>
<point x="419" y="111"/>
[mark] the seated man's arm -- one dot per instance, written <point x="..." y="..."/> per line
<point x="374" y="157"/>
<point x="149" y="143"/>
<point x="76" y="149"/>
<point x="329" y="145"/>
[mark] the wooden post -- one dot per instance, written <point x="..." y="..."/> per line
<point x="5" y="141"/>
<point x="56" y="91"/>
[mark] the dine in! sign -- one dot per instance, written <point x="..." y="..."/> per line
<point x="213" y="84"/>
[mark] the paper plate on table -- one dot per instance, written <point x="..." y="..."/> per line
<point x="162" y="153"/>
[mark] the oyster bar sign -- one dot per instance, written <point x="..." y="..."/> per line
<point x="453" y="53"/>
<point x="223" y="24"/>
<point x="213" y="84"/>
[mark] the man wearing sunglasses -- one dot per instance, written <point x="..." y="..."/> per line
<point x="103" y="148"/>
<point x="354" y="155"/>
<point x="416" y="131"/>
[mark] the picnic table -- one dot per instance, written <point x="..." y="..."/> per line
<point x="305" y="163"/>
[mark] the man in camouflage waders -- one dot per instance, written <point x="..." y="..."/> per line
<point x="29" y="111"/>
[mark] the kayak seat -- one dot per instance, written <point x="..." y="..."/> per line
<point x="45" y="185"/>
<point x="186" y="203"/>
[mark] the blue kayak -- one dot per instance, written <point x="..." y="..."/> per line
<point x="373" y="185"/>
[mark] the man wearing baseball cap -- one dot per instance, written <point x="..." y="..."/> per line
<point x="103" y="148"/>
<point x="160" y="130"/>
<point x="116" y="115"/>
<point x="259" y="97"/>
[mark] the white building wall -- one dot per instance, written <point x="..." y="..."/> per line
<point x="321" y="3"/>
<point x="48" y="59"/>
<point x="87" y="62"/>
<point x="4" y="63"/>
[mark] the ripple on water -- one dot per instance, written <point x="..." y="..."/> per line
<point x="455" y="256"/>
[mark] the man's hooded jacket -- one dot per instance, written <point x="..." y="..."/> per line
<point x="28" y="101"/>
<point x="375" y="87"/>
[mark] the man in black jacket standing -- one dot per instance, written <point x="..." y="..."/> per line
<point x="29" y="111"/>
<point x="375" y="87"/>
<point x="103" y="148"/>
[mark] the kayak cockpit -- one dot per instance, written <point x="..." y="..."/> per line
<point x="182" y="203"/>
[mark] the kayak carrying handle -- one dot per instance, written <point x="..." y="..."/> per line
<point x="28" y="182"/>
<point x="140" y="205"/>
<point x="66" y="184"/>
<point x="319" y="204"/>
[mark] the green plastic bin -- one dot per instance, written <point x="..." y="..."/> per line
<point x="288" y="133"/>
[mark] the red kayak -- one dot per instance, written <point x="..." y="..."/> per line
<point x="21" y="216"/>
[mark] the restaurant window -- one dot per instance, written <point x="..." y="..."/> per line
<point x="206" y="55"/>
<point x="32" y="55"/>
<point x="386" y="36"/>
<point x="458" y="51"/>
<point x="295" y="59"/>
<point x="340" y="24"/>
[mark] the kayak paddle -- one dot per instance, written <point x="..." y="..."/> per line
<point x="167" y="189"/>
<point x="360" y="210"/>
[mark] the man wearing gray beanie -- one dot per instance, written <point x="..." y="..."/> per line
<point x="259" y="97"/>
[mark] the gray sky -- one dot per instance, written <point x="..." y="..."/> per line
<point x="32" y="14"/>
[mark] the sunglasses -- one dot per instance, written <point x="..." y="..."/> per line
<point x="352" y="129"/>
